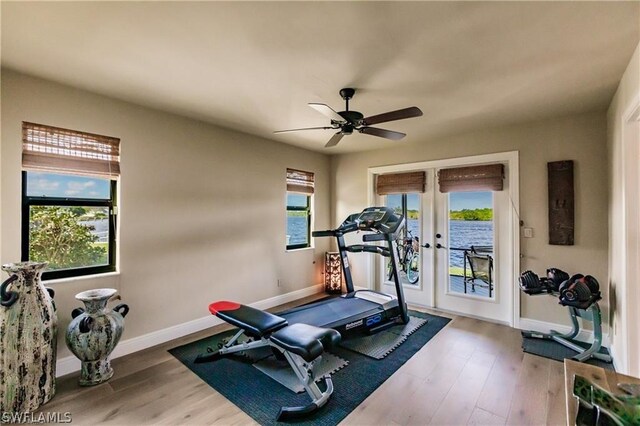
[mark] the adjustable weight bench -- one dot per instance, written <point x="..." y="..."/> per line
<point x="302" y="346"/>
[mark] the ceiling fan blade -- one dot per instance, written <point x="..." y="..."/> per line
<point x="334" y="140"/>
<point x="327" y="111"/>
<point x="400" y="114"/>
<point x="389" y="134"/>
<point x="305" y="128"/>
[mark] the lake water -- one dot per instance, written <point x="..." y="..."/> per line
<point x="100" y="228"/>
<point x="462" y="234"/>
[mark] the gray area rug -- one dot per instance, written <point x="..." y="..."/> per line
<point x="556" y="351"/>
<point x="281" y="371"/>
<point x="381" y="344"/>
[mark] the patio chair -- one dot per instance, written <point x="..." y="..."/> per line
<point x="481" y="266"/>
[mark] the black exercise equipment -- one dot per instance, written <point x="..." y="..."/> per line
<point x="530" y="283"/>
<point x="555" y="277"/>
<point x="301" y="345"/>
<point x="363" y="311"/>
<point x="580" y="294"/>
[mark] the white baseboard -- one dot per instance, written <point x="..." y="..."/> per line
<point x="71" y="364"/>
<point x="618" y="364"/>
<point x="545" y="327"/>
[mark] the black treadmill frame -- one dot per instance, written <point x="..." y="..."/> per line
<point x="376" y="318"/>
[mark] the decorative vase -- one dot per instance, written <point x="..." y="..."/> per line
<point x="94" y="333"/>
<point x="28" y="331"/>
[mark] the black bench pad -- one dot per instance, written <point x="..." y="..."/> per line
<point x="306" y="340"/>
<point x="254" y="322"/>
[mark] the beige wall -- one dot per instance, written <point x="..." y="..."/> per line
<point x="202" y="212"/>
<point x="581" y="138"/>
<point x="624" y="191"/>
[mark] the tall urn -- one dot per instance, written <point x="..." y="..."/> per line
<point x="28" y="330"/>
<point x="94" y="333"/>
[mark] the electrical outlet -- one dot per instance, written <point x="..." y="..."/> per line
<point x="528" y="232"/>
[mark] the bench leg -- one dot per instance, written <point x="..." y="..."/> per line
<point x="232" y="346"/>
<point x="304" y="371"/>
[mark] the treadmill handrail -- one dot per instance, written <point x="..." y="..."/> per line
<point x="358" y="248"/>
<point x="327" y="233"/>
<point x="374" y="237"/>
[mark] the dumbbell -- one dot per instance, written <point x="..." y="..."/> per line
<point x="592" y="283"/>
<point x="530" y="282"/>
<point x="575" y="291"/>
<point x="555" y="277"/>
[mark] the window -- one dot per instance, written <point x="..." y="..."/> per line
<point x="408" y="205"/>
<point x="69" y="187"/>
<point x="300" y="187"/>
<point x="403" y="194"/>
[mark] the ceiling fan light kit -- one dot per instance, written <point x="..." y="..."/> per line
<point x="347" y="121"/>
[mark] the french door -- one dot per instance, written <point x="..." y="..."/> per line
<point x="463" y="246"/>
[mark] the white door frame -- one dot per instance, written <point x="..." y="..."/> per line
<point x="511" y="158"/>
<point x="630" y="135"/>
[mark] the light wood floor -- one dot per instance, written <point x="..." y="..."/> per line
<point x="472" y="372"/>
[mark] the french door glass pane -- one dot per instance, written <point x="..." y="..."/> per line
<point x="471" y="236"/>
<point x="408" y="242"/>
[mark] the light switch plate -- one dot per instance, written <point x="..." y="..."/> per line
<point x="528" y="232"/>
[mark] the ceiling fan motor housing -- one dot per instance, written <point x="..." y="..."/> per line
<point x="352" y="116"/>
<point x="347" y="93"/>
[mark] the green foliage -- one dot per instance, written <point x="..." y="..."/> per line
<point x="468" y="214"/>
<point x="57" y="236"/>
<point x="413" y="214"/>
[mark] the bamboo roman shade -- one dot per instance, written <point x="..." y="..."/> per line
<point x="400" y="183"/>
<point x="53" y="149"/>
<point x="473" y="178"/>
<point x="300" y="181"/>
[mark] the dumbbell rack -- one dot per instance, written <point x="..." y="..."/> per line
<point x="589" y="313"/>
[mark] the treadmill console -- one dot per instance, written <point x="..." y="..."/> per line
<point x="379" y="219"/>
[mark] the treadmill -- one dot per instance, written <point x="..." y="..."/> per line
<point x="363" y="311"/>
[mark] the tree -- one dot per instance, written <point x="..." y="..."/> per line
<point x="56" y="236"/>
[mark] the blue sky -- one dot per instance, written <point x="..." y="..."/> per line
<point x="65" y="186"/>
<point x="470" y="200"/>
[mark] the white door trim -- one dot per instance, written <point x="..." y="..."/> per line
<point x="631" y="202"/>
<point x="512" y="159"/>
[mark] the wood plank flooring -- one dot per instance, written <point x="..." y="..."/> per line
<point x="471" y="373"/>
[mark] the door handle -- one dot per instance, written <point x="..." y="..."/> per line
<point x="426" y="245"/>
<point x="440" y="246"/>
<point x="438" y="235"/>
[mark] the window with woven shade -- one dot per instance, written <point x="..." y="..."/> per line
<point x="69" y="200"/>
<point x="403" y="193"/>
<point x="300" y="189"/>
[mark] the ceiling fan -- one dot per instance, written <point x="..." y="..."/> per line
<point x="347" y="121"/>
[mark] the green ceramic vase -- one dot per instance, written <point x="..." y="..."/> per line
<point x="94" y="333"/>
<point x="28" y="330"/>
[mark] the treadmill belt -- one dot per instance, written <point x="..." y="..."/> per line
<point x="338" y="309"/>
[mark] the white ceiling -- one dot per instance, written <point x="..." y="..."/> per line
<point x="253" y="66"/>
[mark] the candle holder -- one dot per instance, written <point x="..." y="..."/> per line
<point x="333" y="277"/>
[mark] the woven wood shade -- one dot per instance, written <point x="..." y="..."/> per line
<point x="401" y="183"/>
<point x="300" y="181"/>
<point x="474" y="178"/>
<point x="53" y="149"/>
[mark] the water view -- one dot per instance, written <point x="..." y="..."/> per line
<point x="462" y="234"/>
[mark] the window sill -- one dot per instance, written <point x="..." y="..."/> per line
<point x="299" y="249"/>
<point x="81" y="278"/>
